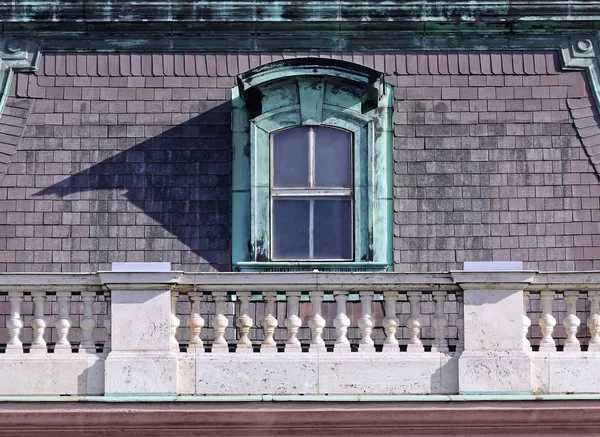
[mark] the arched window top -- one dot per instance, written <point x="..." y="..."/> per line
<point x="253" y="84"/>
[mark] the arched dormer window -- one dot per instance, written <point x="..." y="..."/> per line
<point x="312" y="167"/>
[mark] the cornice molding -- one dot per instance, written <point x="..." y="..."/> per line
<point x="282" y="11"/>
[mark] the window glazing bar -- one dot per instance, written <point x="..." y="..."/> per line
<point x="311" y="229"/>
<point x="311" y="158"/>
<point x="311" y="192"/>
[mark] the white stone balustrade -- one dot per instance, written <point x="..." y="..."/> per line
<point x="317" y="322"/>
<point x="593" y="321"/>
<point x="300" y="333"/>
<point x="244" y="322"/>
<point x="40" y="342"/>
<point x="38" y="357"/>
<point x="547" y="322"/>
<point x="293" y="322"/>
<point x="566" y="362"/>
<point x="365" y="323"/>
<point x="195" y="323"/>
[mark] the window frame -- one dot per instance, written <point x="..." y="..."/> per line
<point x="312" y="92"/>
<point x="312" y="193"/>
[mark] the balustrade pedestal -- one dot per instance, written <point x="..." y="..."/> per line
<point x="493" y="360"/>
<point x="142" y="360"/>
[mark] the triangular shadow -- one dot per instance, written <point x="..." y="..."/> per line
<point x="181" y="178"/>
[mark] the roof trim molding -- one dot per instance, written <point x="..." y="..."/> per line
<point x="215" y="11"/>
<point x="16" y="56"/>
<point x="582" y="54"/>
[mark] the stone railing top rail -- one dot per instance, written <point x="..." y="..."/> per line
<point x="300" y="281"/>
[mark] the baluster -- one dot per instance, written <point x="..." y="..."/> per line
<point x="317" y="322"/>
<point x="547" y="322"/>
<point x="195" y="323"/>
<point x="571" y="322"/>
<point x="439" y="323"/>
<point x="341" y="323"/>
<point x="174" y="321"/>
<point x="107" y="322"/>
<point x="38" y="345"/>
<point x="15" y="324"/>
<point x="293" y="322"/>
<point x="219" y="323"/>
<point x="414" y="323"/>
<point x="269" y="323"/>
<point x="460" y="322"/>
<point x="63" y="324"/>
<point x="88" y="323"/>
<point x="593" y="322"/>
<point x="365" y="323"/>
<point x="390" y="322"/>
<point x="244" y="323"/>
<point x="526" y="322"/>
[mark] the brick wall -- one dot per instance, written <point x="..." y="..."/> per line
<point x="127" y="157"/>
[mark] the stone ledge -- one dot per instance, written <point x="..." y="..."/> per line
<point x="301" y="418"/>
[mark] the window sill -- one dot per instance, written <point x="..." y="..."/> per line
<point x="321" y="266"/>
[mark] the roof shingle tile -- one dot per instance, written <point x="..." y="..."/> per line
<point x="412" y="66"/>
<point x="113" y="65"/>
<point x="168" y="64"/>
<point x="189" y="62"/>
<point x="507" y="63"/>
<point x="157" y="65"/>
<point x="401" y="63"/>
<point x="453" y="63"/>
<point x="136" y="64"/>
<point x="528" y="63"/>
<point x="463" y="63"/>
<point x="179" y="63"/>
<point x="474" y="63"/>
<point x="485" y="62"/>
<point x="61" y="66"/>
<point x="539" y="60"/>
<point x="211" y="64"/>
<point x="390" y="64"/>
<point x="125" y="64"/>
<point x="221" y="60"/>
<point x="102" y="65"/>
<point x="146" y="64"/>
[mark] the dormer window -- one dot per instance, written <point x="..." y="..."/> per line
<point x="312" y="173"/>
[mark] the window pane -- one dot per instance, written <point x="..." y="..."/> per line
<point x="333" y="158"/>
<point x="290" y="228"/>
<point x="333" y="229"/>
<point x="290" y="158"/>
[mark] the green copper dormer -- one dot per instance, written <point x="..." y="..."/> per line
<point x="312" y="172"/>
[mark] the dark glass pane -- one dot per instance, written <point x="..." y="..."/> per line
<point x="290" y="158"/>
<point x="333" y="158"/>
<point x="290" y="228"/>
<point x="333" y="229"/>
